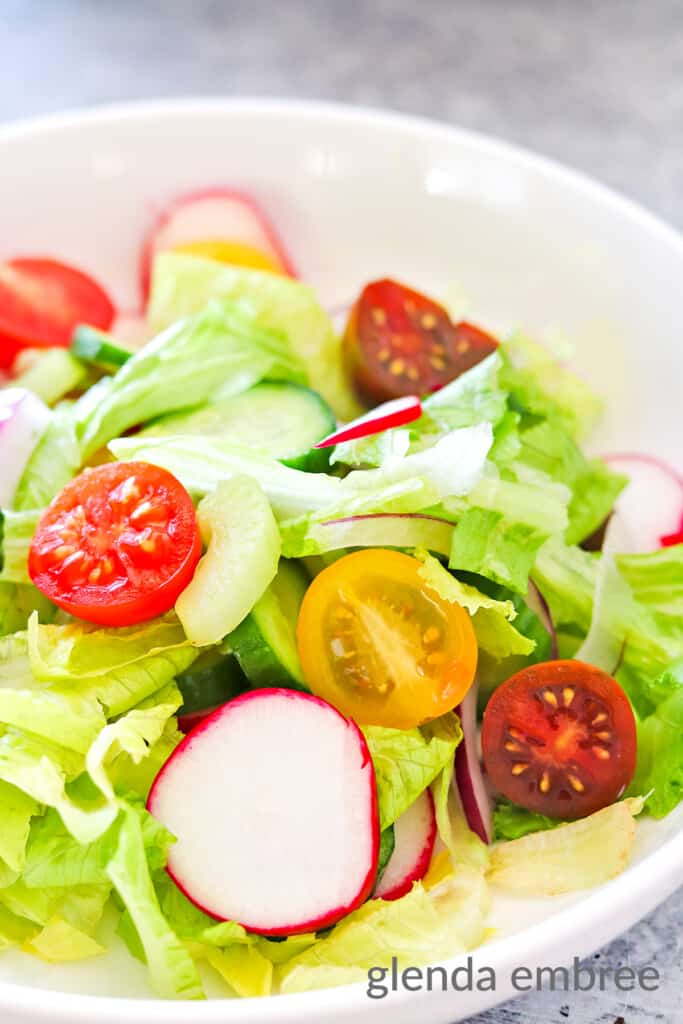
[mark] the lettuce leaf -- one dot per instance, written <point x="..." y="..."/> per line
<point x="491" y="618"/>
<point x="75" y="718"/>
<point x="424" y="926"/>
<point x="576" y="855"/>
<point x="17" y="602"/>
<point x="117" y="667"/>
<point x="16" y="811"/>
<point x="221" y="347"/>
<point x="60" y="942"/>
<point x="16" y="533"/>
<point x="53" y="462"/>
<point x="408" y="760"/>
<point x="538" y="385"/>
<point x="659" y="773"/>
<point x="486" y="544"/>
<point x="172" y="971"/>
<point x="513" y="822"/>
<point x="182" y="285"/>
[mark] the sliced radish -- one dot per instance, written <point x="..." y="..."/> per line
<point x="396" y="413"/>
<point x="469" y="778"/>
<point x="273" y="802"/>
<point x="414" y="836"/>
<point x="186" y="723"/>
<point x="651" y="506"/>
<point x="23" y="418"/>
<point x="212" y="214"/>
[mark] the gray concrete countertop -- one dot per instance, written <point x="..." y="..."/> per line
<point x="598" y="86"/>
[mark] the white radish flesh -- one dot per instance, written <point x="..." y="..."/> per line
<point x="651" y="506"/>
<point x="469" y="778"/>
<point x="23" y="418"/>
<point x="395" y="413"/>
<point x="414" y="837"/>
<point x="273" y="802"/>
<point x="212" y="214"/>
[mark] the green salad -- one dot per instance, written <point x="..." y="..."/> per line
<point x="309" y="644"/>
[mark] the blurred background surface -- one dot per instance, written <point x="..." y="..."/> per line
<point x="597" y="85"/>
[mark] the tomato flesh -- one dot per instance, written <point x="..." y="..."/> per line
<point x="380" y="646"/>
<point x="400" y="342"/>
<point x="117" y="545"/>
<point x="42" y="301"/>
<point x="560" y="738"/>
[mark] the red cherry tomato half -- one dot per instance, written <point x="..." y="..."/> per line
<point x="117" y="545"/>
<point x="399" y="342"/>
<point x="560" y="738"/>
<point x="42" y="300"/>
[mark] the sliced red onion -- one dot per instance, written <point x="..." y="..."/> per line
<point x="538" y="604"/>
<point x="651" y="506"/>
<point x="395" y="413"/>
<point x="23" y="418"/>
<point x="385" y="529"/>
<point x="469" y="778"/>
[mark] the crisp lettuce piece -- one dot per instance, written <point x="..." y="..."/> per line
<point x="134" y="734"/>
<point x="486" y="544"/>
<point x="577" y="855"/>
<point x="633" y="617"/>
<point x="192" y="924"/>
<point x="244" y="968"/>
<point x="41" y="770"/>
<point x="464" y="848"/>
<point x="219" y="347"/>
<point x="16" y="533"/>
<point x="406" y="484"/>
<point x="138" y="777"/>
<point x="659" y="773"/>
<point x="17" y="602"/>
<point x="59" y="942"/>
<point x="74" y="718"/>
<point x="491" y="618"/>
<point x="118" y="667"/>
<point x="16" y="811"/>
<point x="540" y="503"/>
<point x="513" y="822"/>
<point x="14" y="929"/>
<point x="374" y="450"/>
<point x="79" y="905"/>
<point x="548" y="448"/>
<point x="242" y="553"/>
<point x="53" y="462"/>
<point x="473" y="397"/>
<point x="425" y="926"/>
<point x="408" y="760"/>
<point x="182" y="285"/>
<point x="171" y="968"/>
<point x="538" y="385"/>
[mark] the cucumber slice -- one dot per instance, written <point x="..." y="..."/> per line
<point x="280" y="418"/>
<point x="54" y="374"/>
<point x="265" y="642"/>
<point x="212" y="679"/>
<point x="94" y="346"/>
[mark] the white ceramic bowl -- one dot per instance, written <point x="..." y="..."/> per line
<point x="360" y="194"/>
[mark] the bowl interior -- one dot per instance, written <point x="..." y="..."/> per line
<point x="358" y="195"/>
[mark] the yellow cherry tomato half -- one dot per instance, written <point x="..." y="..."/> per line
<point x="236" y="253"/>
<point x="382" y="647"/>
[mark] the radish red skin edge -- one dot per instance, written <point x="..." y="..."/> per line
<point x="202" y="732"/>
<point x="211" y="192"/>
<point x="415" y="836"/>
<point x="396" y="413"/>
<point x="652" y="504"/>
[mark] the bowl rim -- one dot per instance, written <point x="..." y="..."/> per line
<point x="588" y="924"/>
